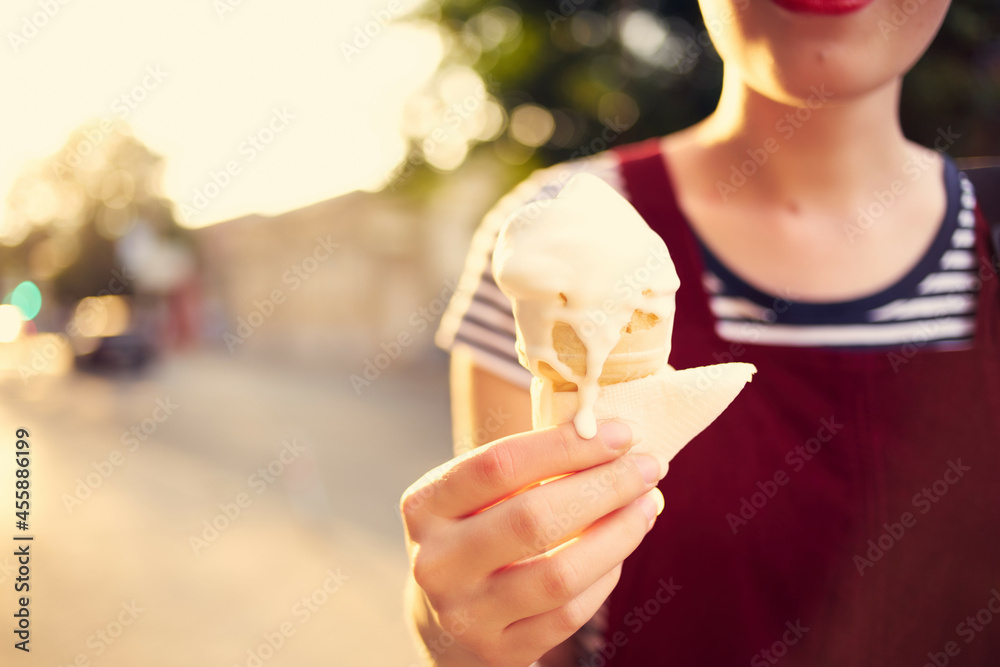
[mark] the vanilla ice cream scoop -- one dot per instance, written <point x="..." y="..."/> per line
<point x="592" y="289"/>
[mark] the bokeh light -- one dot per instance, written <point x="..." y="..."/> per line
<point x="28" y="299"/>
<point x="643" y="34"/>
<point x="10" y="323"/>
<point x="101" y="316"/>
<point x="532" y="125"/>
<point x="453" y="113"/>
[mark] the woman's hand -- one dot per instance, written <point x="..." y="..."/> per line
<point x="506" y="568"/>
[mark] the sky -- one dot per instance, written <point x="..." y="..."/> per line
<point x="256" y="105"/>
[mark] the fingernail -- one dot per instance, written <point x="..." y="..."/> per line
<point x="616" y="435"/>
<point x="649" y="467"/>
<point x="660" y="502"/>
<point x="636" y="430"/>
<point x="652" y="505"/>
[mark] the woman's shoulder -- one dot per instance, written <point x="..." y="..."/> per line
<point x="548" y="182"/>
<point x="984" y="174"/>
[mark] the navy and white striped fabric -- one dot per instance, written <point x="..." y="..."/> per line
<point x="934" y="305"/>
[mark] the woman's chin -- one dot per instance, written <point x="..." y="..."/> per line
<point x="826" y="82"/>
<point x="833" y="85"/>
<point x="786" y="54"/>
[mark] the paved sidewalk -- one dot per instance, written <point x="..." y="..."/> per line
<point x="306" y="550"/>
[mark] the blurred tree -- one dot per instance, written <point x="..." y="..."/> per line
<point x="68" y="215"/>
<point x="570" y="78"/>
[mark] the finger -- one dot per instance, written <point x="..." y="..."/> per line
<point x="557" y="577"/>
<point x="536" y="520"/>
<point x="499" y="470"/>
<point x="535" y="635"/>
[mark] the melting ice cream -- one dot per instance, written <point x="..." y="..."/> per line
<point x="587" y="261"/>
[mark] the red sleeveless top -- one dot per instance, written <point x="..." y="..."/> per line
<point x="845" y="509"/>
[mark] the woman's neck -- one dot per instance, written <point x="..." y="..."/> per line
<point x="824" y="155"/>
<point x="830" y="205"/>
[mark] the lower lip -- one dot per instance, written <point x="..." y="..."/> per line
<point x="829" y="7"/>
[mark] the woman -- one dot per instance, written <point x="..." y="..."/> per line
<point x="842" y="511"/>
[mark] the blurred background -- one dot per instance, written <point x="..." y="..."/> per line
<point x="228" y="231"/>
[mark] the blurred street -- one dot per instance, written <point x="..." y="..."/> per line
<point x="249" y="516"/>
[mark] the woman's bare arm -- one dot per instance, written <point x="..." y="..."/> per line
<point x="484" y="407"/>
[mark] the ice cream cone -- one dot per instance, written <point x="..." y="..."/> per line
<point x="641" y="351"/>
<point x="587" y="277"/>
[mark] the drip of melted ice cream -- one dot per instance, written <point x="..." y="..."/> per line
<point x="586" y="258"/>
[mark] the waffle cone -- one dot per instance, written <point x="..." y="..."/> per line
<point x="641" y="351"/>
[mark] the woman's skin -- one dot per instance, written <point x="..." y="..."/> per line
<point x="791" y="229"/>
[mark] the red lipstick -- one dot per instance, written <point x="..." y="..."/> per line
<point x="822" y="6"/>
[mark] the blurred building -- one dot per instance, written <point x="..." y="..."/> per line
<point x="331" y="282"/>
